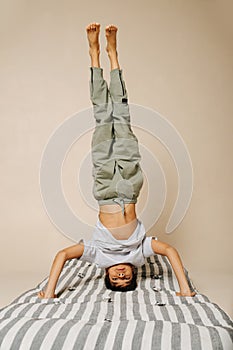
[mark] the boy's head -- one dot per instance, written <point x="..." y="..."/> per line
<point x="121" y="277"/>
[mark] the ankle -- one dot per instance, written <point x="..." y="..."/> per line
<point x="112" y="52"/>
<point x="94" y="51"/>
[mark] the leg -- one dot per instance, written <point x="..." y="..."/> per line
<point x="102" y="140"/>
<point x="126" y="151"/>
<point x="93" y="31"/>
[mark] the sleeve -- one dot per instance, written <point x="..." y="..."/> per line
<point x="147" y="248"/>
<point x="89" y="253"/>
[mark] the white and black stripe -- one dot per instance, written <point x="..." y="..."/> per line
<point x="83" y="317"/>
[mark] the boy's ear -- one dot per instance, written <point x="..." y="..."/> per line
<point x="133" y="268"/>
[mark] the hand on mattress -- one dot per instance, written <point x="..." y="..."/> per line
<point x="189" y="294"/>
<point x="42" y="295"/>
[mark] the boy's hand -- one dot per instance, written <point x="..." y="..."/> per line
<point x="190" y="294"/>
<point x="42" y="295"/>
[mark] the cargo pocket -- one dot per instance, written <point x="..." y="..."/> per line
<point x="132" y="178"/>
<point x="127" y="168"/>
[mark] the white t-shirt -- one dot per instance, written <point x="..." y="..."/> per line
<point x="105" y="251"/>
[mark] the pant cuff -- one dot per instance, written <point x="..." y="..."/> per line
<point x="96" y="73"/>
<point x="115" y="72"/>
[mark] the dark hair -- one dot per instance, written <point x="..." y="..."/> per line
<point x="131" y="286"/>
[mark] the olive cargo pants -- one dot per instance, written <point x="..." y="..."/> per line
<point x="117" y="174"/>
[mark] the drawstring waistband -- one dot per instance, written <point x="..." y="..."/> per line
<point x="121" y="203"/>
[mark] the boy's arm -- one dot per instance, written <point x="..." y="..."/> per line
<point x="75" y="251"/>
<point x="176" y="263"/>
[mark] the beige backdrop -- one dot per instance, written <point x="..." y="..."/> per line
<point x="177" y="59"/>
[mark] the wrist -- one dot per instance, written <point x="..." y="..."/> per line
<point x="49" y="294"/>
<point x="185" y="290"/>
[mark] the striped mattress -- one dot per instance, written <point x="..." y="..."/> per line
<point x="87" y="316"/>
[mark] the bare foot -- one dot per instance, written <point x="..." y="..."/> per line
<point x="93" y="30"/>
<point x="111" y="32"/>
<point x="41" y="295"/>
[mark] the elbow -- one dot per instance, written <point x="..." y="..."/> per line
<point x="61" y="255"/>
<point x="170" y="251"/>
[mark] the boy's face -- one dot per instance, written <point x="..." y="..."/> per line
<point x="120" y="275"/>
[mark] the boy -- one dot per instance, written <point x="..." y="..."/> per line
<point x="119" y="241"/>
